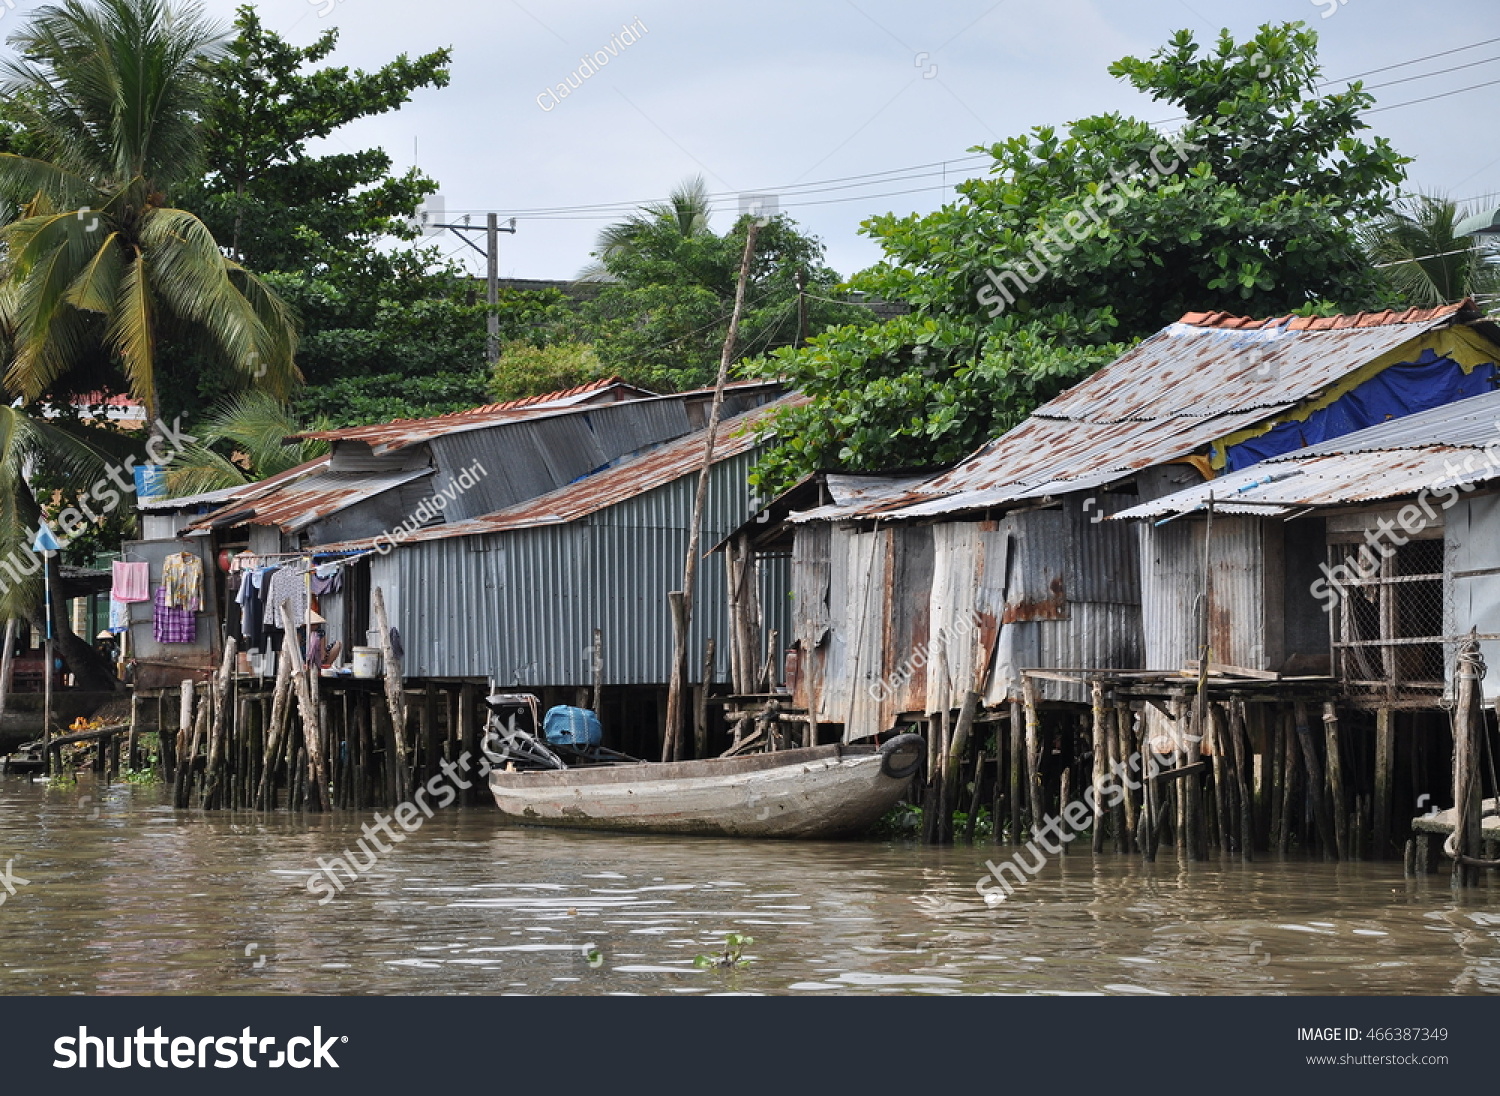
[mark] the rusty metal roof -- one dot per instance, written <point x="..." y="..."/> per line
<point x="1432" y="449"/>
<point x="238" y="493"/>
<point x="609" y="487"/>
<point x="298" y="505"/>
<point x="1195" y="381"/>
<point x="389" y="437"/>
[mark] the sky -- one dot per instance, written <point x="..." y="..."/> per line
<point x="841" y="109"/>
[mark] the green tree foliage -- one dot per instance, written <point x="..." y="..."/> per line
<point x="276" y="206"/>
<point x="243" y="441"/>
<point x="526" y="370"/>
<point x="1096" y="236"/>
<point x="667" y="291"/>
<point x="387" y="332"/>
<point x="98" y="268"/>
<point x="1420" y="259"/>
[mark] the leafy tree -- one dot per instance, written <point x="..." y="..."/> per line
<point x="276" y="206"/>
<point x="1093" y="236"/>
<point x="527" y="370"/>
<point x="98" y="269"/>
<point x="668" y="284"/>
<point x="684" y="214"/>
<point x="1423" y="263"/>
<point x="243" y="441"/>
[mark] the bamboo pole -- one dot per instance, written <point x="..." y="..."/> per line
<point x="184" y="729"/>
<point x="700" y="709"/>
<point x="682" y="603"/>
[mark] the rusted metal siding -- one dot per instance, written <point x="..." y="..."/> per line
<point x="1172" y="588"/>
<point x="927" y="605"/>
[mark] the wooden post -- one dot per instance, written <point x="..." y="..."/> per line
<point x="1385" y="757"/>
<point x="598" y="669"/>
<point x="700" y="710"/>
<point x="1464" y="845"/>
<point x="184" y="729"/>
<point x="7" y="664"/>
<point x="1017" y="770"/>
<point x="1290" y="800"/>
<point x="1033" y="752"/>
<point x="681" y="601"/>
<point x="317" y="772"/>
<point x="1222" y="764"/>
<point x="1101" y="760"/>
<point x="395" y="691"/>
<point x="468" y="739"/>
<point x="1125" y="817"/>
<point x="1314" y="781"/>
<point x="219" y="692"/>
<point x="1243" y="759"/>
<point x="1336" y="779"/>
<point x="279" y="703"/>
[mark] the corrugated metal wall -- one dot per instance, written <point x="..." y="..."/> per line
<point x="522" y="605"/>
<point x="1172" y="582"/>
<point x="1472" y="535"/>
<point x="1049" y="588"/>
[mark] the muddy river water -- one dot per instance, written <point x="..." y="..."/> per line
<point x="107" y="891"/>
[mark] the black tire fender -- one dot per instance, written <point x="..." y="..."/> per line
<point x="902" y="756"/>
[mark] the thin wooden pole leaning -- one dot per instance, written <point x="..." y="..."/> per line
<point x="681" y="601"/>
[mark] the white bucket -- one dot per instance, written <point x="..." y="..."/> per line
<point x="366" y="662"/>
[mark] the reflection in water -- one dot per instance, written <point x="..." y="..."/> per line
<point x="144" y="899"/>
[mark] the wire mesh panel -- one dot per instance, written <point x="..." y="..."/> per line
<point x="1388" y="623"/>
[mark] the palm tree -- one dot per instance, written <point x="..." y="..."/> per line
<point x="685" y="213"/>
<point x="97" y="260"/>
<point x="254" y="427"/>
<point x="1423" y="261"/>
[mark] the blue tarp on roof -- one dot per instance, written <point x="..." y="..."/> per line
<point x="1404" y="389"/>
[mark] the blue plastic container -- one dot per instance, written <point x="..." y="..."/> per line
<point x="565" y="726"/>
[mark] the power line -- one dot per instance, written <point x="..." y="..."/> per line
<point x="1429" y="75"/>
<point x="1430" y="98"/>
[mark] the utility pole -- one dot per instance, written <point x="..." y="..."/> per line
<point x="491" y="253"/>
<point x="801" y="306"/>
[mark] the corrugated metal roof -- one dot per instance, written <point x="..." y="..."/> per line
<point x="611" y="486"/>
<point x="389" y="437"/>
<point x="1397" y="458"/>
<point x="1336" y="479"/>
<point x="238" y="492"/>
<point x="300" y="504"/>
<point x="1190" y="384"/>
<point x="566" y="397"/>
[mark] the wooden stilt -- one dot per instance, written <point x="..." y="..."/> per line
<point x="1336" y="779"/>
<point x="1385" y="755"/>
<point x="1033" y="752"/>
<point x="1017" y="774"/>
<point x="1101" y="760"/>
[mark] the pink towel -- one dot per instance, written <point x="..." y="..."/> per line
<point x="132" y="582"/>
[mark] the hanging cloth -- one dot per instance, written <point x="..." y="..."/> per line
<point x="132" y="581"/>
<point x="173" y="625"/>
<point x="119" y="615"/>
<point x="182" y="578"/>
<point x="286" y="585"/>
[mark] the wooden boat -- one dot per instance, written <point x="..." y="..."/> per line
<point x="818" y="791"/>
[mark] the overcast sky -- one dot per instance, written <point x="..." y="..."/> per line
<point x="770" y="97"/>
